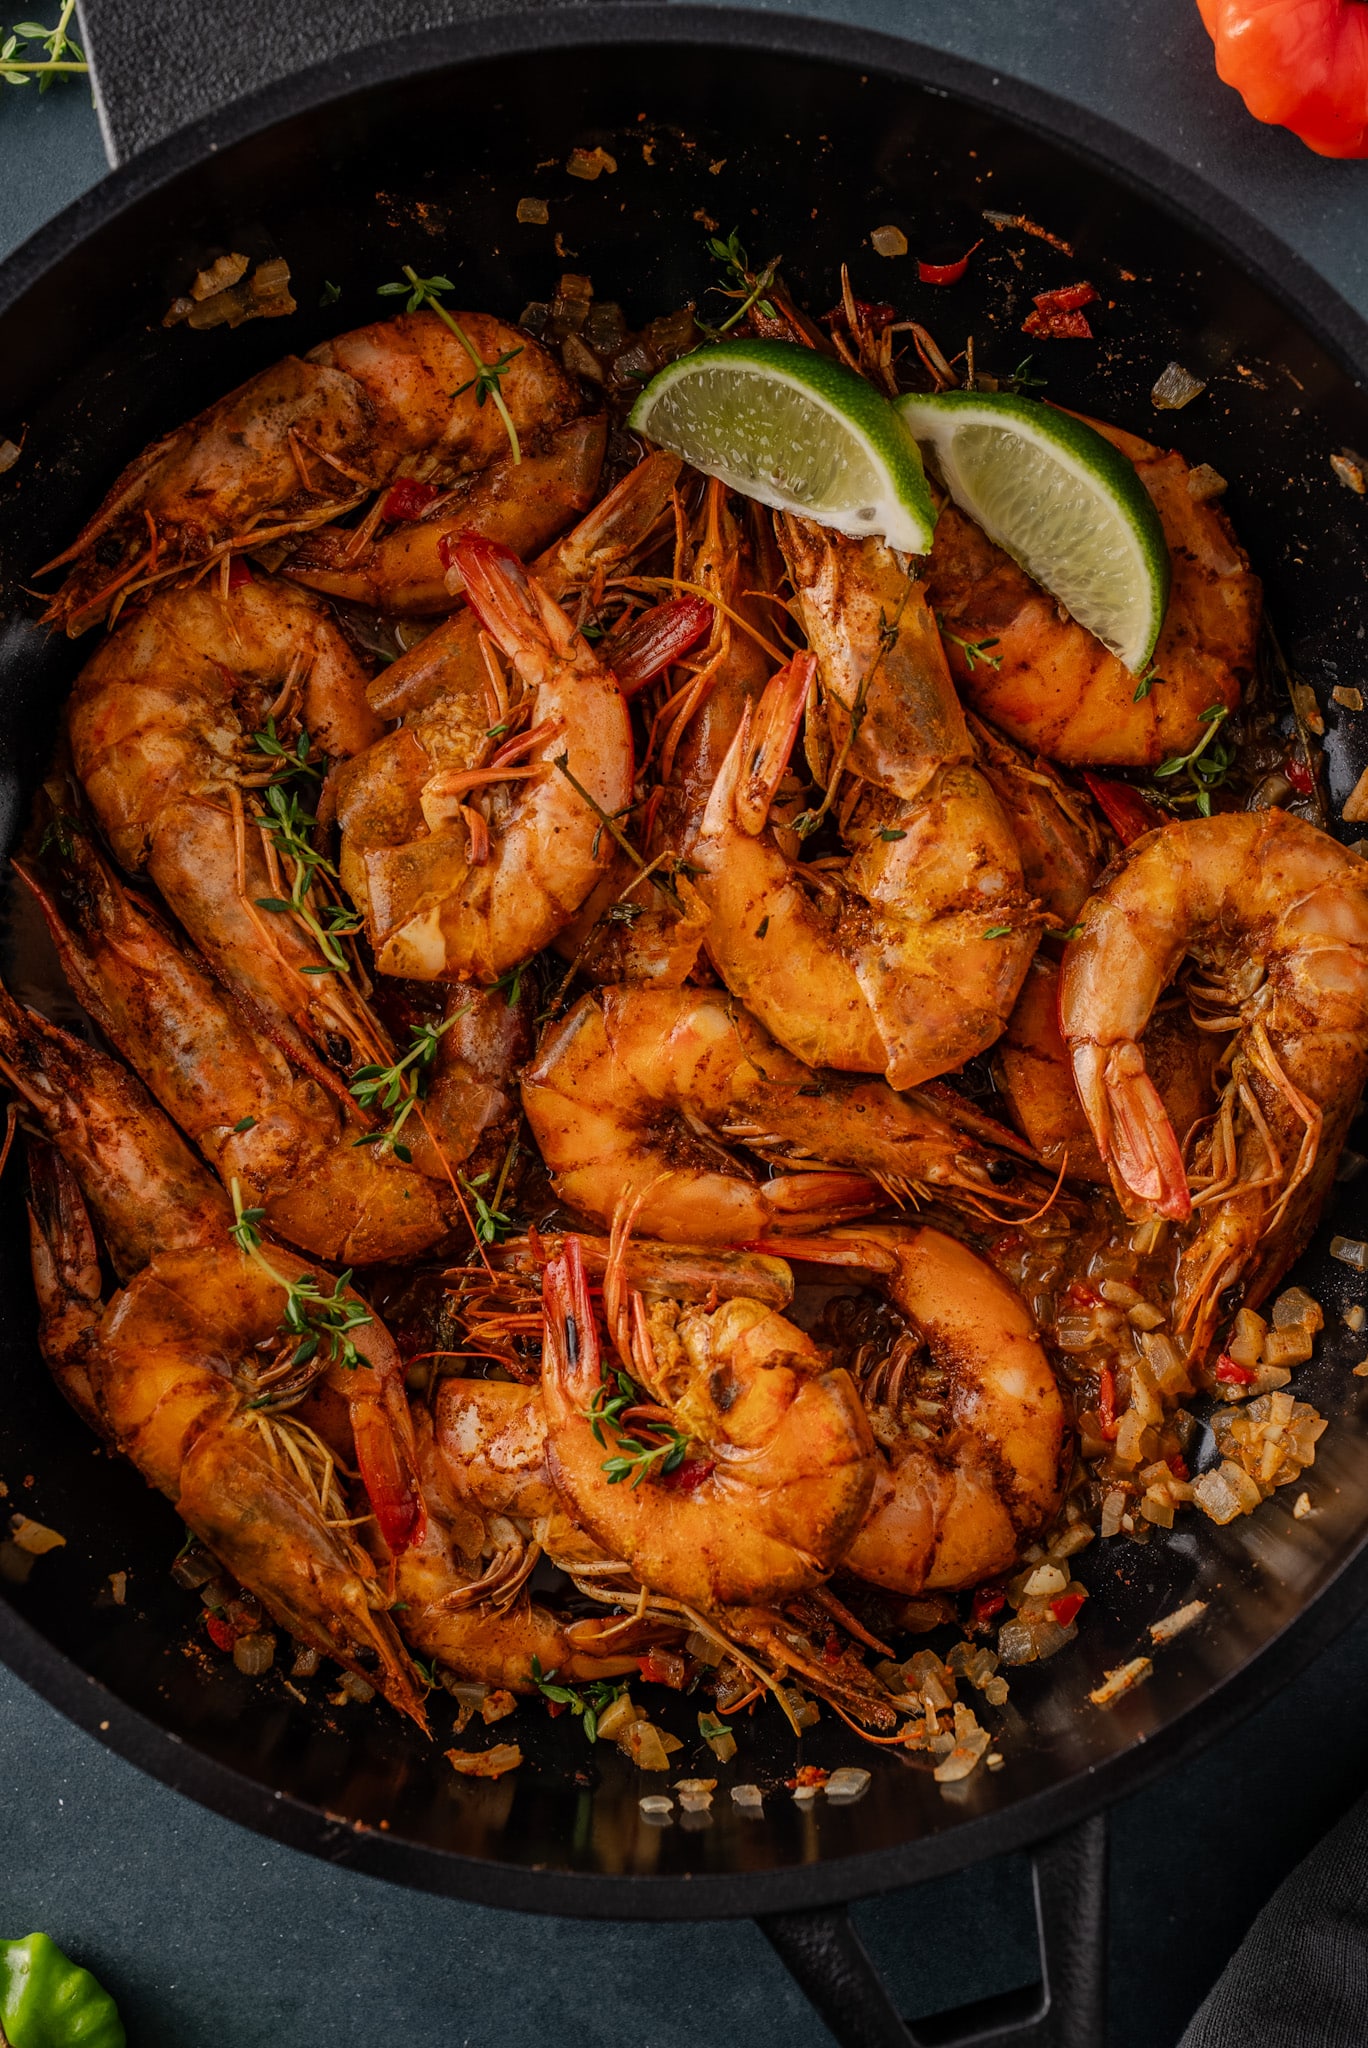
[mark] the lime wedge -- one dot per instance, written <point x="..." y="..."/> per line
<point x="1063" y="503"/>
<point x="796" y="430"/>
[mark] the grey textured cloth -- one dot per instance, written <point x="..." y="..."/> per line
<point x="1299" y="1979"/>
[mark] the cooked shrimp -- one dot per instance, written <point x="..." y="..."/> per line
<point x="632" y="1091"/>
<point x="476" y="894"/>
<point x="1274" y="913"/>
<point x="460" y="1592"/>
<point x="162" y="723"/>
<point x="229" y="1088"/>
<point x="173" y="1368"/>
<point x="966" y="1411"/>
<point x="780" y="1460"/>
<point x="1034" y="672"/>
<point x="627" y="931"/>
<point x="1032" y="1065"/>
<point x="905" y="960"/>
<point x="449" y="664"/>
<point x="406" y="572"/>
<point x="303" y="441"/>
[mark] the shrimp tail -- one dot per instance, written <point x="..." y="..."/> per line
<point x="388" y="1472"/>
<point x="570" y="1356"/>
<point x="764" y="744"/>
<point x="1140" y="1146"/>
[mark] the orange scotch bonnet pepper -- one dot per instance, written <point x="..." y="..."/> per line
<point x="1301" y="64"/>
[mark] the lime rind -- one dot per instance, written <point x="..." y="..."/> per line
<point x="797" y="431"/>
<point x="1062" y="501"/>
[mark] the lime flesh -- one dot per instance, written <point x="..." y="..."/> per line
<point x="795" y="430"/>
<point x="1062" y="501"/>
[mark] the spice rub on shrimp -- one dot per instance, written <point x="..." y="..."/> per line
<point x="965" y="1408"/>
<point x="464" y="892"/>
<point x="406" y="571"/>
<point x="636" y="1091"/>
<point x="1045" y="680"/>
<point x="256" y="1118"/>
<point x="185" y="1369"/>
<point x="769" y="1451"/>
<point x="303" y="441"/>
<point x="1274" y="915"/>
<point x="905" y="959"/>
<point x="166" y="724"/>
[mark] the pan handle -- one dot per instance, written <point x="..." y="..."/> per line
<point x="157" y="65"/>
<point x="1064" y="2010"/>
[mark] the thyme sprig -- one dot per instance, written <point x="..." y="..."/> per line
<point x="746" y="285"/>
<point x="492" y="1222"/>
<point x="487" y="381"/>
<point x="293" y="760"/>
<point x="634" y="1458"/>
<point x="586" y="1702"/>
<point x="1205" y="767"/>
<point x="322" y="1322"/>
<point x="64" y="57"/>
<point x="290" y="826"/>
<point x="401" y="1085"/>
<point x="974" y="651"/>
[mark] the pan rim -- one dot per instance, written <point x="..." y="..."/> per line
<point x="1311" y="301"/>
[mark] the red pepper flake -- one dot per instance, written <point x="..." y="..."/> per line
<point x="239" y="572"/>
<point x="1230" y="1373"/>
<point x="988" y="1601"/>
<point x="1106" y="1403"/>
<point x="1078" y="1294"/>
<point x="1178" y="1466"/>
<point x="1299" y="775"/>
<point x="946" y="273"/>
<point x="1065" y="298"/>
<point x="1010" y="1241"/>
<point x="1057" y="326"/>
<point x="664" y="1667"/>
<point x="222" y="1634"/>
<point x="690" y="1474"/>
<point x="1129" y="814"/>
<point x="832" y="1651"/>
<point x="869" y="313"/>
<point x="1065" y="1608"/>
<point x="555" y="1708"/>
<point x="408" y="499"/>
<point x="807" y="1774"/>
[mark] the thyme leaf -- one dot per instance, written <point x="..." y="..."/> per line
<point x="321" y="1321"/>
<point x="586" y="1702"/>
<point x="488" y="379"/>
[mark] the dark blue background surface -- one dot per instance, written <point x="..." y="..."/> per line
<point x="214" y="1939"/>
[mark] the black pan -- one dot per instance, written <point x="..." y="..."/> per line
<point x="806" y="137"/>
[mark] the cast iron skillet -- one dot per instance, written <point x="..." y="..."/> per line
<point x="805" y="137"/>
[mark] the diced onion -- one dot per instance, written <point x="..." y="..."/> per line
<point x="1175" y="387"/>
<point x="847" y="1785"/>
<point x="888" y="241"/>
<point x="748" y="1797"/>
<point x="254" y="1654"/>
<point x="1171" y="1625"/>
<point x="34" y="1537"/>
<point x="1123" y="1679"/>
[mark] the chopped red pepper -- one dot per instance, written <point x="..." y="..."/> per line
<point x="1106" y="1403"/>
<point x="946" y="273"/>
<point x="1178" y="1466"/>
<point x="1065" y="1608"/>
<point x="222" y="1634"/>
<point x="1010" y="1241"/>
<point x="239" y="572"/>
<point x="1129" y="814"/>
<point x="660" y="636"/>
<point x="1299" y="775"/>
<point x="408" y="499"/>
<point x="1078" y="1294"/>
<point x="1065" y="298"/>
<point x="807" y="1774"/>
<point x="988" y="1601"/>
<point x="555" y="1708"/>
<point x="1232" y="1374"/>
<point x="832" y="1651"/>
